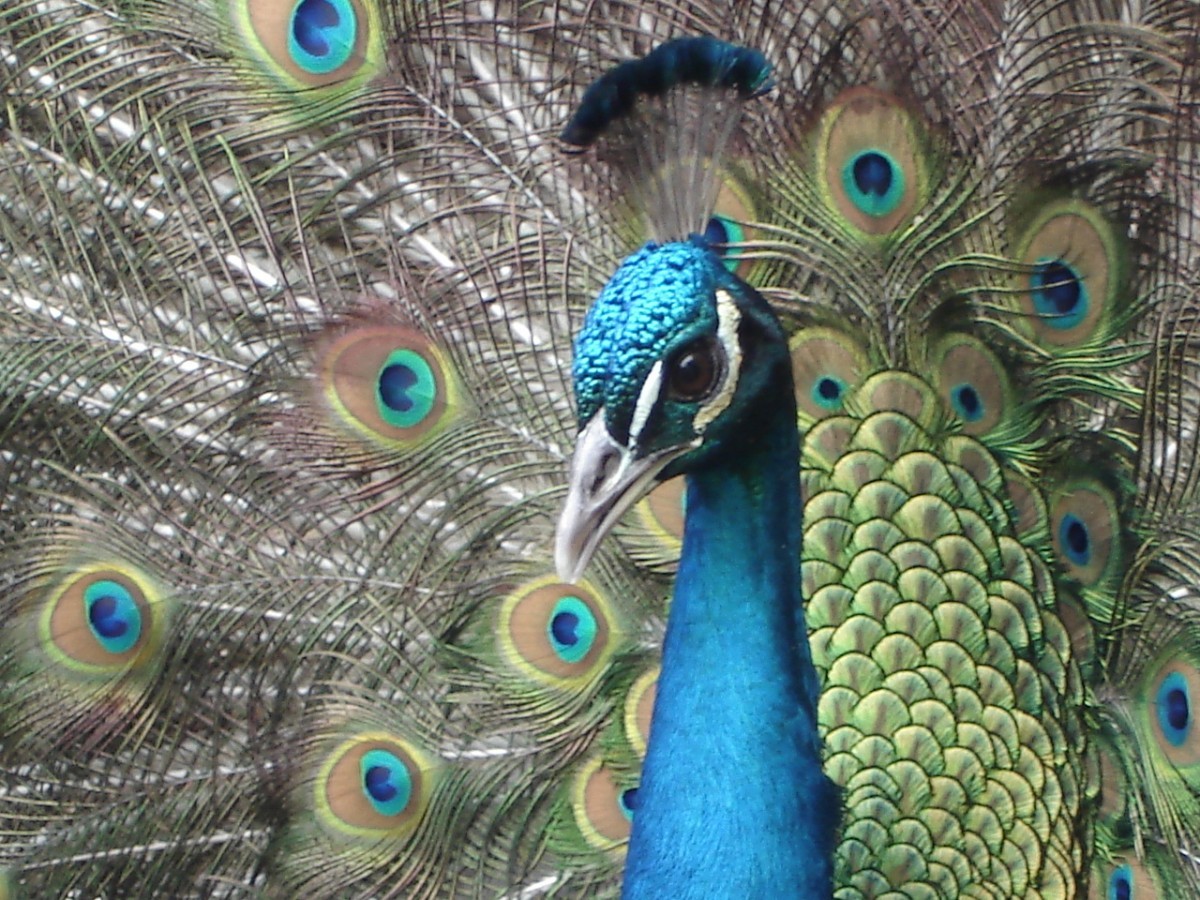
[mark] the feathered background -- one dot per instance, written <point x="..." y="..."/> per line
<point x="287" y="297"/>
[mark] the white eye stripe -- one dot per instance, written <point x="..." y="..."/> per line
<point x="728" y="319"/>
<point x="647" y="398"/>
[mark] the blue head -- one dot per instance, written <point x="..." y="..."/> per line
<point x="676" y="360"/>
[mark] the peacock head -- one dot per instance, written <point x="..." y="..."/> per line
<point x="676" y="355"/>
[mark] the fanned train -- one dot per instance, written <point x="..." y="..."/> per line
<point x="513" y="449"/>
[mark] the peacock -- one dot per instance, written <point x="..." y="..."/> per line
<point x="477" y="448"/>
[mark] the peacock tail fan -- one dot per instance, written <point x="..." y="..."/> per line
<point x="288" y="292"/>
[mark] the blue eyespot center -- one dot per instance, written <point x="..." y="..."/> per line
<point x="1074" y="539"/>
<point x="312" y="20"/>
<point x="394" y="382"/>
<point x="106" y="619"/>
<point x="967" y="402"/>
<point x="565" y="628"/>
<point x="572" y="629"/>
<point x="873" y="173"/>
<point x="629" y="802"/>
<point x="1120" y="884"/>
<point x="323" y="35"/>
<point x="378" y="783"/>
<point x="405" y="391"/>
<point x="1058" y="293"/>
<point x="386" y="782"/>
<point x="1174" y="708"/>
<point x="828" y="392"/>
<point x="113" y="615"/>
<point x="724" y="230"/>
<point x="1177" y="709"/>
<point x="715" y="232"/>
<point x="873" y="182"/>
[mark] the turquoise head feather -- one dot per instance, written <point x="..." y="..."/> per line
<point x="673" y="303"/>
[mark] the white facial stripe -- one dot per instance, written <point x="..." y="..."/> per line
<point x="651" y="388"/>
<point x="728" y="318"/>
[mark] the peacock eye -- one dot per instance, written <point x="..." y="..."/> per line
<point x="694" y="371"/>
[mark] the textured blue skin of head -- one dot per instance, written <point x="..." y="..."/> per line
<point x="659" y="298"/>
<point x="733" y="801"/>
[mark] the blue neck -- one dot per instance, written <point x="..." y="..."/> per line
<point x="732" y="800"/>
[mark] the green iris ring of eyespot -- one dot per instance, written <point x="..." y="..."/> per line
<point x="572" y="629"/>
<point x="113" y="616"/>
<point x="389" y="795"/>
<point x="322" y="35"/>
<point x="828" y="392"/>
<point x="874" y="203"/>
<point x="1060" y="296"/>
<point x="406" y="390"/>
<point x="1174" y="705"/>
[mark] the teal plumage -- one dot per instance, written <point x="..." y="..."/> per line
<point x="676" y="360"/>
<point x="288" y="301"/>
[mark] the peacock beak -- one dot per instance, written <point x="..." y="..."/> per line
<point x="606" y="479"/>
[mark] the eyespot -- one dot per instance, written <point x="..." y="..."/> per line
<point x="629" y="802"/>
<point x="603" y="810"/>
<point x="103" y="621"/>
<point x="722" y="230"/>
<point x="1059" y="295"/>
<point x="1171" y="692"/>
<point x="375" y="783"/>
<point x="966" y="402"/>
<point x="390" y="384"/>
<point x="572" y="629"/>
<point x="113" y="615"/>
<point x="693" y="372"/>
<point x="874" y="182"/>
<point x="1074" y="539"/>
<point x="973" y="383"/>
<point x="1085" y="530"/>
<point x="559" y="633"/>
<point x="323" y="34"/>
<point x="730" y="225"/>
<point x="1120" y="884"/>
<point x="1071" y="263"/>
<point x="310" y="44"/>
<point x="1174" y="702"/>
<point x="1129" y="879"/>
<point x="871" y="161"/>
<point x="386" y="781"/>
<point x="826" y="367"/>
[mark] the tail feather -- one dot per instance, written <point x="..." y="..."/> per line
<point x="285" y="336"/>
